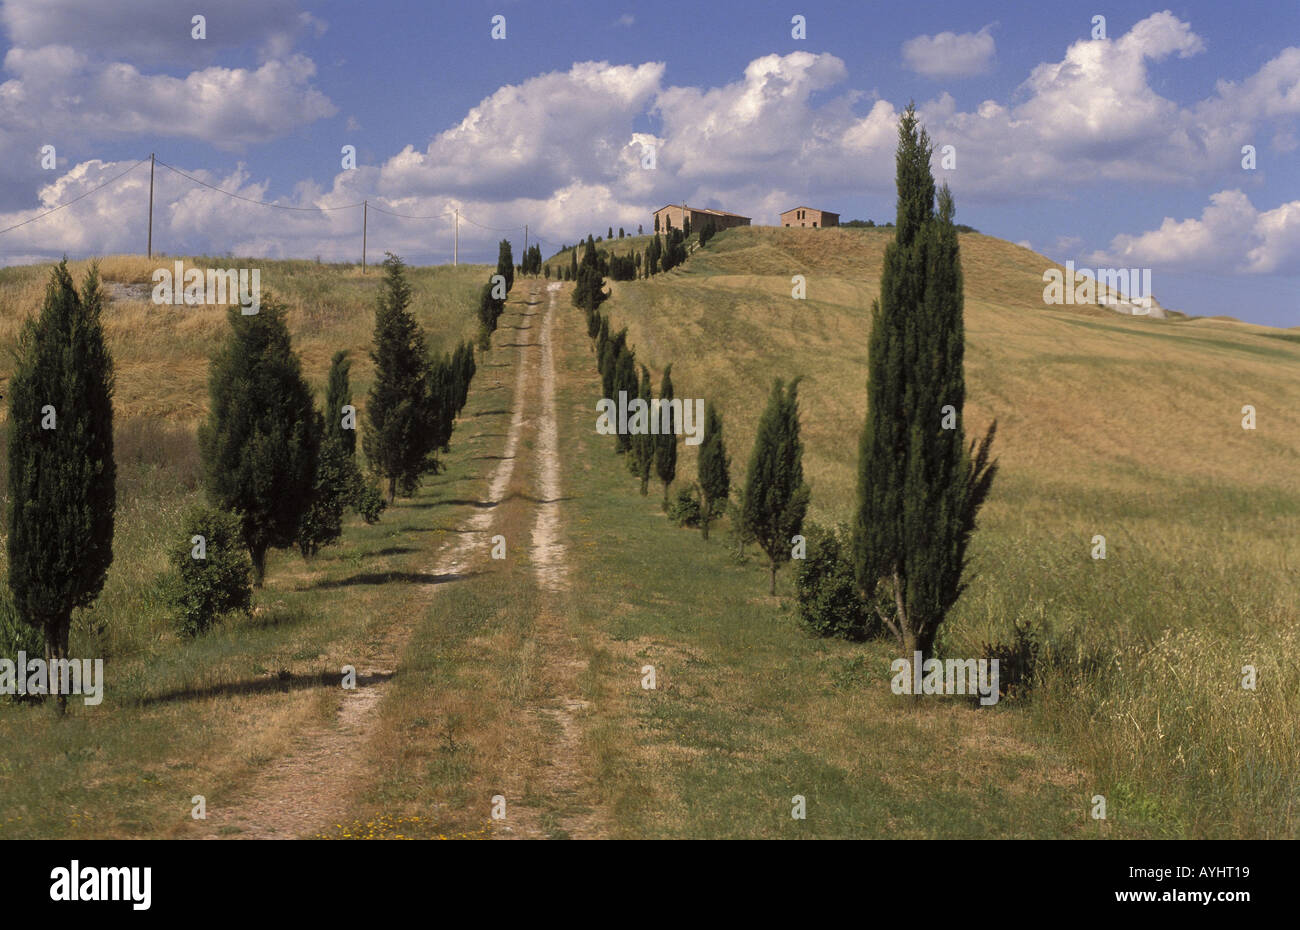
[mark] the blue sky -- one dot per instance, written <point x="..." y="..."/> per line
<point x="1122" y="151"/>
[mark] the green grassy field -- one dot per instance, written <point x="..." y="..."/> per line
<point x="194" y="716"/>
<point x="1128" y="428"/>
<point x="1124" y="427"/>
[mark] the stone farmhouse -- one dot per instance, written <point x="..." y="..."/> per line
<point x="676" y="215"/>
<point x="807" y="216"/>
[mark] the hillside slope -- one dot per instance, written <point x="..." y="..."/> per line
<point x="1122" y="427"/>
<point x="1125" y="427"/>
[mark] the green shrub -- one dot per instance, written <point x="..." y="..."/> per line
<point x="221" y="581"/>
<point x="1018" y="660"/>
<point x="685" y="508"/>
<point x="369" y="502"/>
<point x="828" y="597"/>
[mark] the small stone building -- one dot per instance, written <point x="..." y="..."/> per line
<point x="807" y="216"/>
<point x="676" y="215"/>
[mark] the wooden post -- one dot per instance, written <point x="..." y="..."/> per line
<point x="365" y="218"/>
<point x="151" y="157"/>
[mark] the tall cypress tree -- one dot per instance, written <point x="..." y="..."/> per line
<point x="714" y="468"/>
<point x="62" y="476"/>
<point x="262" y="437"/>
<point x="338" y="394"/>
<point x="919" y="486"/>
<point x="666" y="444"/>
<point x="776" y="498"/>
<point x="506" y="264"/>
<point x="362" y="496"/>
<point x="398" y="442"/>
<point x="625" y="382"/>
<point x="339" y="483"/>
<point x="643" y="444"/>
<point x="443" y="394"/>
<point x="487" y="317"/>
<point x="463" y="359"/>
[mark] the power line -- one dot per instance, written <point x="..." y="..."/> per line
<point x="75" y="199"/>
<point x="406" y="216"/>
<point x="260" y="203"/>
<point x="492" y="228"/>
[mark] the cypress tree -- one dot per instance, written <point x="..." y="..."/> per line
<point x="261" y="440"/>
<point x="62" y="476"/>
<point x="643" y="444"/>
<point x="625" y="381"/>
<point x="714" y="467"/>
<point x="338" y="394"/>
<point x="666" y="441"/>
<point x="321" y="522"/>
<point x="919" y="486"/>
<point x="357" y="493"/>
<point x="334" y="486"/>
<point x="506" y="264"/>
<point x="776" y="498"/>
<point x="487" y="316"/>
<point x="398" y="441"/>
<point x="443" y="394"/>
<point x="615" y="346"/>
<point x="463" y="362"/>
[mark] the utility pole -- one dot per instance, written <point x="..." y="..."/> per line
<point x="455" y="255"/>
<point x="151" y="156"/>
<point x="525" y="238"/>
<point x="365" y="219"/>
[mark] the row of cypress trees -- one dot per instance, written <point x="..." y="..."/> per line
<point x="414" y="400"/>
<point x="493" y="294"/>
<point x="775" y="497"/>
<point x="285" y="470"/>
<point x="532" y="263"/>
<point x="661" y="254"/>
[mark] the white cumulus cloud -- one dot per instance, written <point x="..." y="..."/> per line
<point x="950" y="54"/>
<point x="1231" y="236"/>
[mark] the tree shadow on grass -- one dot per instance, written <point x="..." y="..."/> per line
<point x="453" y="502"/>
<point x="393" y="550"/>
<point x="282" y="682"/>
<point x="394" y="577"/>
<point x="442" y="529"/>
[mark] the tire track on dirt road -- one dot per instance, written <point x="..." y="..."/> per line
<point x="311" y="786"/>
<point x="564" y="792"/>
